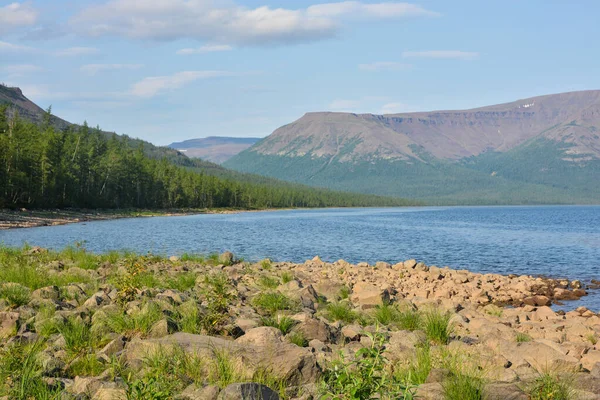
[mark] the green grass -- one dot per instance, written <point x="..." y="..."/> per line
<point x="297" y="338"/>
<point x="136" y="323"/>
<point x="341" y="311"/>
<point x="386" y="314"/>
<point x="191" y="257"/>
<point x="463" y="387"/>
<point x="224" y="370"/>
<point x="266" y="264"/>
<point x="283" y="323"/>
<point x="344" y="293"/>
<point x="183" y="281"/>
<point x="493" y="310"/>
<point x="367" y="376"/>
<point x="418" y="369"/>
<point x="551" y="387"/>
<point x="287" y="277"/>
<point x="436" y="325"/>
<point x="272" y="302"/>
<point x="77" y="334"/>
<point x="592" y="338"/>
<point x="86" y="365"/>
<point x="165" y="372"/>
<point x="267" y="282"/>
<point x="523" y="337"/>
<point x="409" y="320"/>
<point x="21" y="373"/>
<point x="79" y="257"/>
<point x="31" y="270"/>
<point x="189" y="318"/>
<point x="15" y="294"/>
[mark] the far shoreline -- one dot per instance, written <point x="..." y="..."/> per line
<point x="26" y="218"/>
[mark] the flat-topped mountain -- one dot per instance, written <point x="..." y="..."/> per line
<point x="489" y="154"/>
<point x="217" y="149"/>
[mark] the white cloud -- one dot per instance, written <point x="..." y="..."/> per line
<point x="395" y="108"/>
<point x="6" y="47"/>
<point x="227" y="22"/>
<point x="15" y="15"/>
<point x="378" y="10"/>
<point x="77" y="51"/>
<point x="384" y="66"/>
<point x="19" y="70"/>
<point x="448" y="54"/>
<point x="370" y="104"/>
<point x="93" y="69"/>
<point x="151" y="86"/>
<point x="205" y="49"/>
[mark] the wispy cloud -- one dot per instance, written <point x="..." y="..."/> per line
<point x="6" y="47"/>
<point x="228" y="22"/>
<point x="384" y="66"/>
<point x="377" y="10"/>
<point x="205" y="49"/>
<point x="151" y="86"/>
<point x="370" y="104"/>
<point x="77" y="51"/>
<point x="395" y="108"/>
<point x="16" y="15"/>
<point x="448" y="54"/>
<point x="93" y="69"/>
<point x="19" y="70"/>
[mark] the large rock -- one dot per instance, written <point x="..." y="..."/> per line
<point x="247" y="391"/>
<point x="8" y="323"/>
<point x="313" y="328"/>
<point x="540" y="356"/>
<point x="430" y="391"/>
<point x="193" y="392"/>
<point x="261" y="336"/>
<point x="110" y="394"/>
<point x="590" y="359"/>
<point x="503" y="391"/>
<point x="368" y="295"/>
<point x="285" y="360"/>
<point x="96" y="301"/>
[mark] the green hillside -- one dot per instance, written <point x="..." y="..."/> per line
<point x="533" y="173"/>
<point x="43" y="167"/>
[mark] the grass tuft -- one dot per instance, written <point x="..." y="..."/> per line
<point x="523" y="337"/>
<point x="283" y="323"/>
<point x="15" y="294"/>
<point x="341" y="311"/>
<point x="437" y="327"/>
<point x="550" y="387"/>
<point x="274" y="301"/>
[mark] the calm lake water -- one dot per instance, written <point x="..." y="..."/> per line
<point x="557" y="241"/>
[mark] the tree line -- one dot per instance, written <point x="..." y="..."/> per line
<point x="82" y="167"/>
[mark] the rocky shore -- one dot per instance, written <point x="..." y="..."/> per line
<point x="76" y="325"/>
<point x="11" y="219"/>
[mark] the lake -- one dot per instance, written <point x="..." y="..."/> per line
<point x="556" y="241"/>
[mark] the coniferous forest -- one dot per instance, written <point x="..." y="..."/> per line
<point x="83" y="167"/>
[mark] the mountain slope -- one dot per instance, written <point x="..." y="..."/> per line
<point x="76" y="166"/>
<point x="217" y="149"/>
<point x="544" y="149"/>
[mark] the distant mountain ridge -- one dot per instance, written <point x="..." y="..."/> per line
<point x="440" y="155"/>
<point x="217" y="149"/>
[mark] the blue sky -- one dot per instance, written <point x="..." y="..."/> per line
<point x="169" y="70"/>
